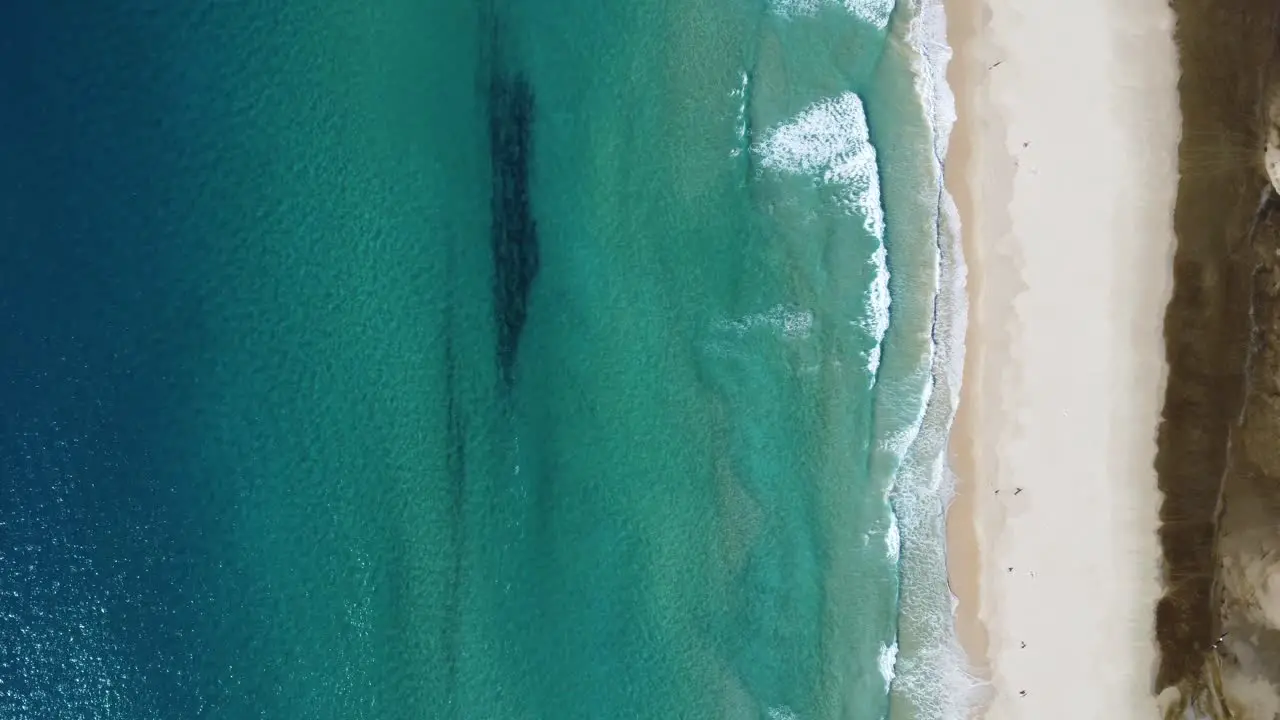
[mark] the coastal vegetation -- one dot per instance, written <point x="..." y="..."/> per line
<point x="1218" y="623"/>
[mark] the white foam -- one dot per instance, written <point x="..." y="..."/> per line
<point x="878" y="303"/>
<point x="893" y="539"/>
<point x="933" y="680"/>
<point x="898" y="441"/>
<point x="740" y="124"/>
<point x="888" y="660"/>
<point x="873" y="12"/>
<point x="830" y="141"/>
<point x="789" y="324"/>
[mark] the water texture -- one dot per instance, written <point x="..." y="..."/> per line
<point x="500" y="359"/>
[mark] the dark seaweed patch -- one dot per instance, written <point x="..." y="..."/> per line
<point x="514" y="232"/>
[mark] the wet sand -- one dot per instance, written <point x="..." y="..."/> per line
<point x="1064" y="169"/>
<point x="962" y="543"/>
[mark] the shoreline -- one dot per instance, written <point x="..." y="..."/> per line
<point x="931" y="678"/>
<point x="1063" y="167"/>
<point x="961" y="538"/>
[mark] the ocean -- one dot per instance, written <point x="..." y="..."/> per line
<point x="493" y="359"/>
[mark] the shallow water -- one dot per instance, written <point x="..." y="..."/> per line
<point x="463" y="360"/>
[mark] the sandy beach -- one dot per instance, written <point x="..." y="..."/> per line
<point x="1064" y="169"/>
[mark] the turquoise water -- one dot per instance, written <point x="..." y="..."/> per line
<point x="501" y="359"/>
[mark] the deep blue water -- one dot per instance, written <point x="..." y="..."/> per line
<point x="507" y="359"/>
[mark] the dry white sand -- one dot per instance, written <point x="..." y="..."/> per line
<point x="1064" y="169"/>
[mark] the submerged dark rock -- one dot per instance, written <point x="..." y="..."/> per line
<point x="514" y="232"/>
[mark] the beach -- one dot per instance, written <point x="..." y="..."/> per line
<point x="577" y="360"/>
<point x="1064" y="169"/>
